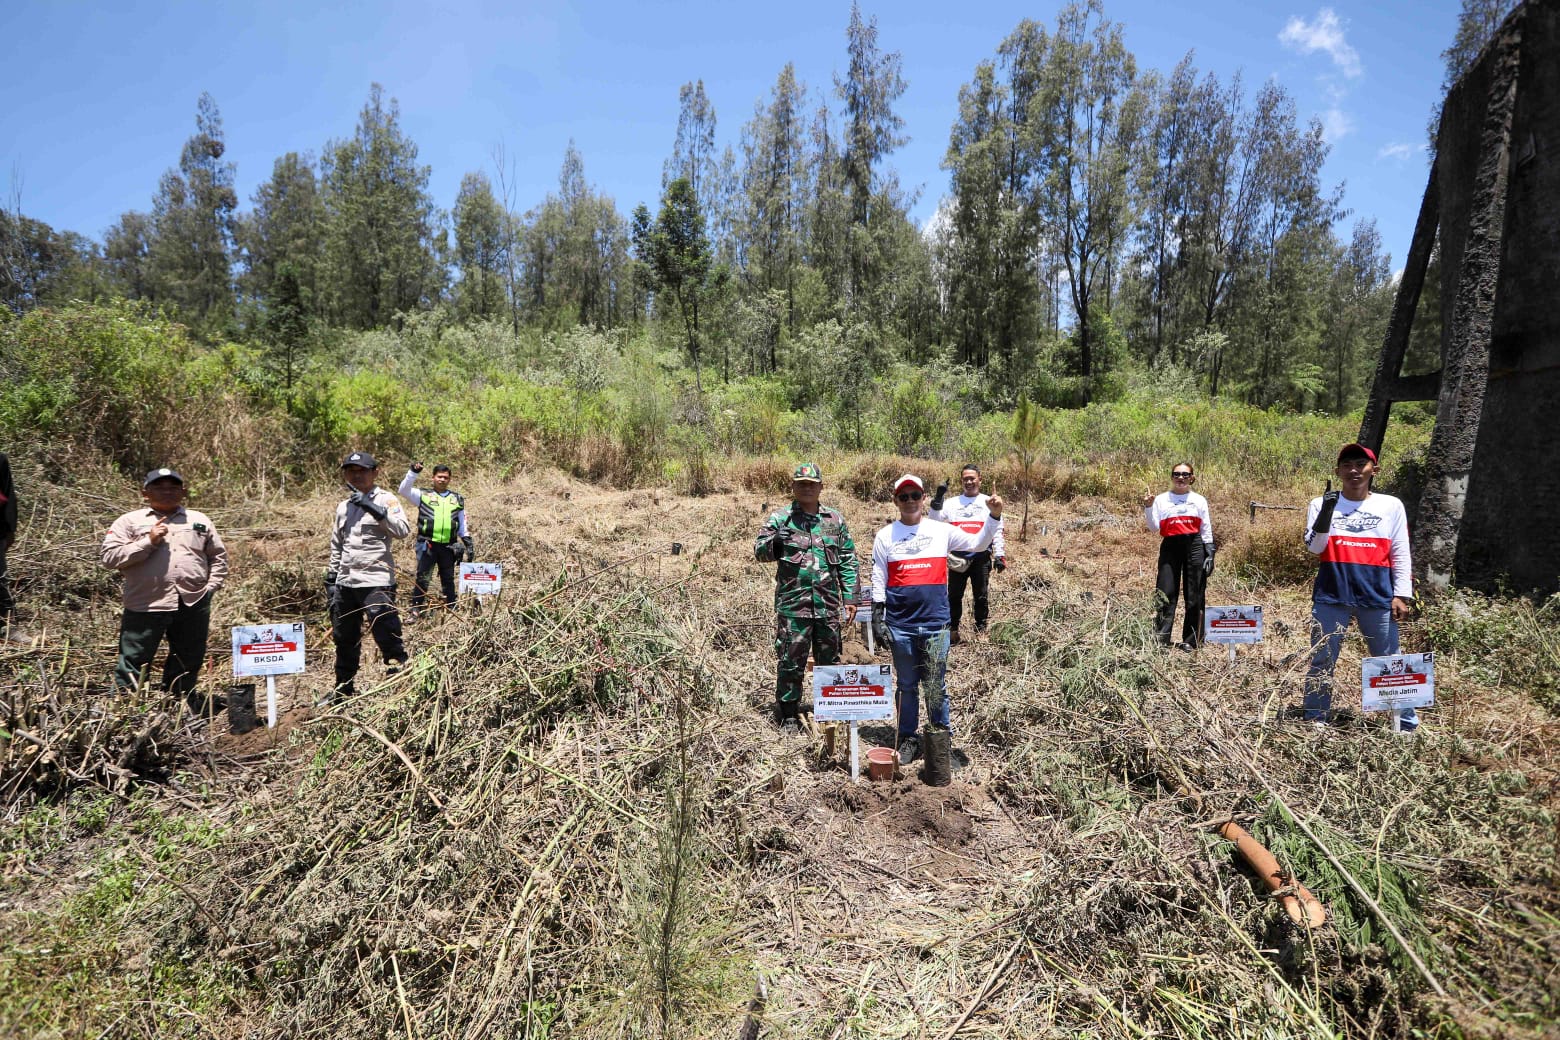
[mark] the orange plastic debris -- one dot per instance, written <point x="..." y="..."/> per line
<point x="1303" y="908"/>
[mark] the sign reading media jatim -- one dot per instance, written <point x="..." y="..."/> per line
<point x="852" y="692"/>
<point x="1242" y="624"/>
<point x="268" y="649"/>
<point x="1399" y="681"/>
<point x="481" y="579"/>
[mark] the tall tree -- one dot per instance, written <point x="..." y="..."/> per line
<point x="285" y="228"/>
<point x="127" y="248"/>
<point x="190" y="261"/>
<point x="774" y="184"/>
<point x="873" y="130"/>
<point x="574" y="265"/>
<point x="693" y="155"/>
<point x="1358" y="304"/>
<point x="1085" y="132"/>
<point x="39" y="265"/>
<point x="676" y="255"/>
<point x="479" y="249"/>
<point x="381" y="227"/>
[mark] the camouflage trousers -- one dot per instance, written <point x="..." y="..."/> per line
<point x="794" y="637"/>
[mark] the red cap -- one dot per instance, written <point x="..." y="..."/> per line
<point x="1355" y="450"/>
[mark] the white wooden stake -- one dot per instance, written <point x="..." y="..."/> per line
<point x="270" y="702"/>
<point x="1232" y="653"/>
<point x="855" y="762"/>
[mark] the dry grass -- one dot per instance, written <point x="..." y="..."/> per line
<point x="570" y="818"/>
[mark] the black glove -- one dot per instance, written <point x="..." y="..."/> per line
<point x="364" y="501"/>
<point x="942" y="493"/>
<point x="1208" y="561"/>
<point x="332" y="593"/>
<point x="471" y="553"/>
<point x="417" y="467"/>
<point x="1324" y="517"/>
<point x="880" y="624"/>
<point x="1000" y="563"/>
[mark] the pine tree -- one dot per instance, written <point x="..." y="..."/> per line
<point x="381" y="225"/>
<point x="189" y="261"/>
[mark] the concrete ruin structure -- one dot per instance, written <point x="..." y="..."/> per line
<point x="1489" y="512"/>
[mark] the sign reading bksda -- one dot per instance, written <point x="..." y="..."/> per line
<point x="852" y="692"/>
<point x="268" y="649"/>
<point x="481" y="579"/>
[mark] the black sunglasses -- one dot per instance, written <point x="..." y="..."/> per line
<point x="909" y="496"/>
<point x="1175" y="476"/>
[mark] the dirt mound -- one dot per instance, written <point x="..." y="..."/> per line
<point x="908" y="808"/>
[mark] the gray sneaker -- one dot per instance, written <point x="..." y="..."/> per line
<point x="791" y="726"/>
<point x="909" y="748"/>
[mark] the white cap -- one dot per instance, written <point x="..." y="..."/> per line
<point x="909" y="478"/>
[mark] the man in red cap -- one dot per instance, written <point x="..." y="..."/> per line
<point x="910" y="610"/>
<point x="1365" y="575"/>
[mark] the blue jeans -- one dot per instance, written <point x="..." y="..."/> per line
<point x="1329" y="622"/>
<point x="920" y="667"/>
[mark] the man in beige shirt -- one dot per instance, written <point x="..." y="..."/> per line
<point x="172" y="560"/>
<point x="360" y="578"/>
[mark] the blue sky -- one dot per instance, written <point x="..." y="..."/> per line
<point x="101" y="96"/>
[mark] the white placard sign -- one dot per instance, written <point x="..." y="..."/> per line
<point x="268" y="649"/>
<point x="1232" y="624"/>
<point x="1399" y="681"/>
<point x="481" y="579"/>
<point x="852" y="692"/>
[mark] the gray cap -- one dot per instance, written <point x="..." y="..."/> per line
<point x="360" y="458"/>
<point x="161" y="474"/>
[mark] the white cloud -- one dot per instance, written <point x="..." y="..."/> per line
<point x="1399" y="151"/>
<point x="1336" y="124"/>
<point x="1323" y="34"/>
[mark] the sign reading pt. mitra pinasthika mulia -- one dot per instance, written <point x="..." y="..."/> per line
<point x="268" y="649"/>
<point x="1399" y="681"/>
<point x="852" y="692"/>
<point x="1241" y="624"/>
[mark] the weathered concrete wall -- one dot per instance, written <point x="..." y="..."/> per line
<point x="1473" y="195"/>
<point x="1511" y="522"/>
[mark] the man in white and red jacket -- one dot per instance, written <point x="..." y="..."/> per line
<point x="910" y="607"/>
<point x="1180" y="518"/>
<point x="968" y="513"/>
<point x="1366" y="575"/>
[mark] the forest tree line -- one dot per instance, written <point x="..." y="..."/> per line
<point x="1098" y="216"/>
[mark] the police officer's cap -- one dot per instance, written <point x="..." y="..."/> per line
<point x="161" y="474"/>
<point x="360" y="458"/>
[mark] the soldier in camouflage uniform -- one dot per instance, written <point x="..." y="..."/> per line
<point x="815" y="580"/>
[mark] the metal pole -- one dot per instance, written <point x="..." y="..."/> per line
<point x="270" y="702"/>
<point x="1232" y="653"/>
<point x="855" y="746"/>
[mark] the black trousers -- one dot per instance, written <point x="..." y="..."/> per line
<point x="979" y="577"/>
<point x="429" y="555"/>
<point x="377" y="605"/>
<point x="1180" y="569"/>
<point x="142" y="631"/>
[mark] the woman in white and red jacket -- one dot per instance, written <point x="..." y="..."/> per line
<point x="1180" y="517"/>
